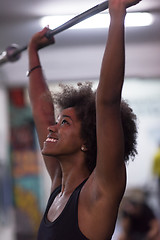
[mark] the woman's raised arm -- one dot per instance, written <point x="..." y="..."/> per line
<point x="41" y="101"/>
<point x="110" y="169"/>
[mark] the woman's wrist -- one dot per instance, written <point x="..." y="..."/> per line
<point x="117" y="11"/>
<point x="32" y="48"/>
<point x="118" y="17"/>
<point x="32" y="69"/>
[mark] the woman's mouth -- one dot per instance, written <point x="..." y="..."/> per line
<point x="51" y="140"/>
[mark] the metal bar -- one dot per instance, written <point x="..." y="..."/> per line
<point x="79" y="18"/>
<point x="8" y="56"/>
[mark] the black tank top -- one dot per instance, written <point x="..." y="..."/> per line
<point x="65" y="227"/>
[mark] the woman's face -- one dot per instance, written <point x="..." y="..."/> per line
<point x="64" y="137"/>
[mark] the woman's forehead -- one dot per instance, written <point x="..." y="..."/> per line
<point x="70" y="112"/>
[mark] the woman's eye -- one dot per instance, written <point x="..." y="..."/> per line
<point x="64" y="122"/>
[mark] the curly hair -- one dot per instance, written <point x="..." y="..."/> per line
<point x="82" y="99"/>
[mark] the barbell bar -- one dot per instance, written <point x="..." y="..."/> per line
<point x="13" y="52"/>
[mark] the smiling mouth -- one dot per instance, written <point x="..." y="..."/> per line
<point x="51" y="140"/>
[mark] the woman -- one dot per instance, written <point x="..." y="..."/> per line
<point x="87" y="182"/>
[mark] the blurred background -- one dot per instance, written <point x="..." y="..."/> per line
<point x="75" y="57"/>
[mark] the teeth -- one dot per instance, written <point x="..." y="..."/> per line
<point x="51" y="140"/>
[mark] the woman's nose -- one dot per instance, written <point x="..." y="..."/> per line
<point x="52" y="128"/>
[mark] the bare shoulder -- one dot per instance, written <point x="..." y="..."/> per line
<point x="97" y="210"/>
<point x="98" y="189"/>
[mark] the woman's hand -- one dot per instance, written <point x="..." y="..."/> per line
<point x="39" y="40"/>
<point x="117" y="7"/>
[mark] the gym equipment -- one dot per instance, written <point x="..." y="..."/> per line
<point x="13" y="52"/>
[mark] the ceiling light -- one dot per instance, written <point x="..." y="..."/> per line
<point x="98" y="21"/>
<point x="138" y="19"/>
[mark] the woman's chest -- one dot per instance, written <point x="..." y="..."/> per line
<point x="57" y="207"/>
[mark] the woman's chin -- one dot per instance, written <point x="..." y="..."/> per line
<point x="44" y="152"/>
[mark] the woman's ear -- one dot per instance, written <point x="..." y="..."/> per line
<point x="84" y="148"/>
